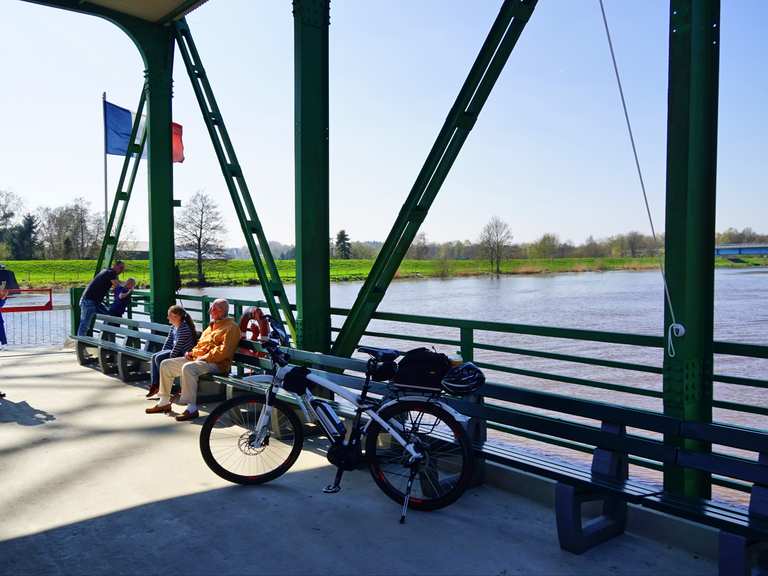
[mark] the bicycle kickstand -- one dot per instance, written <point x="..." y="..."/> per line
<point x="336" y="486"/>
<point x="408" y="494"/>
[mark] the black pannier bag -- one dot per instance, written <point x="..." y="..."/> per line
<point x="422" y="368"/>
<point x="296" y="380"/>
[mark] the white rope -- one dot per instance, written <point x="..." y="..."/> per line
<point x="675" y="329"/>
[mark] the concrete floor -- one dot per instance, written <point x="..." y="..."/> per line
<point x="89" y="484"/>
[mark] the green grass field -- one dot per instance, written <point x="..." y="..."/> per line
<point x="64" y="273"/>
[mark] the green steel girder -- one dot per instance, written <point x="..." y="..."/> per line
<point x="509" y="24"/>
<point x="694" y="41"/>
<point x="123" y="196"/>
<point x="256" y="240"/>
<point x="313" y="298"/>
<point x="159" y="88"/>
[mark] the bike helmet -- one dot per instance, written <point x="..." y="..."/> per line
<point x="463" y="379"/>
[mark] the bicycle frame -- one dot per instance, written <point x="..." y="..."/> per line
<point x="275" y="381"/>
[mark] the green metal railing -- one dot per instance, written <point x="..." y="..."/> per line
<point x="466" y="342"/>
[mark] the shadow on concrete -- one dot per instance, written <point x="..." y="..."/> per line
<point x="22" y="413"/>
<point x="285" y="527"/>
<point x="289" y="527"/>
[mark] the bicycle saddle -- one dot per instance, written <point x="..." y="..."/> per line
<point x="380" y="354"/>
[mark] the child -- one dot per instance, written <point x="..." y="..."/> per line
<point x="123" y="294"/>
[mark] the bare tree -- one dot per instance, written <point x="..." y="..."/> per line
<point x="494" y="240"/>
<point x="70" y="231"/>
<point x="10" y="206"/>
<point x="199" y="230"/>
<point x="419" y="249"/>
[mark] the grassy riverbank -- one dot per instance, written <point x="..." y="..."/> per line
<point x="64" y="273"/>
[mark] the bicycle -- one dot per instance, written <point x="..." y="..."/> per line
<point x="415" y="446"/>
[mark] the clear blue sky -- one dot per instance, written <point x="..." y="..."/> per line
<point x="548" y="154"/>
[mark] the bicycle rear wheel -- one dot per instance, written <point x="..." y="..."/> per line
<point x="446" y="469"/>
<point x="234" y="449"/>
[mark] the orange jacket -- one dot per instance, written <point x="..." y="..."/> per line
<point x="218" y="344"/>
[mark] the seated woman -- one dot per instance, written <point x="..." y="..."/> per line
<point x="181" y="339"/>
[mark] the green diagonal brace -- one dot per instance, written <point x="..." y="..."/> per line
<point x="509" y="24"/>
<point x="250" y="224"/>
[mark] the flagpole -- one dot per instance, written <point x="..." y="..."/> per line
<point x="104" y="118"/>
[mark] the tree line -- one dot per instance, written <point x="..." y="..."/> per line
<point x="72" y="231"/>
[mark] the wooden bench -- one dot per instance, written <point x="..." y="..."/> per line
<point x="126" y="346"/>
<point x="743" y="531"/>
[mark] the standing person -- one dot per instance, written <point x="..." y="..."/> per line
<point x="91" y="302"/>
<point x="3" y="297"/>
<point x="7" y="285"/>
<point x="212" y="354"/>
<point x="123" y="293"/>
<point x="181" y="339"/>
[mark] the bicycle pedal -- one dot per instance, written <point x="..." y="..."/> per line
<point x="332" y="489"/>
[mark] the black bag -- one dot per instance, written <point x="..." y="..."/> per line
<point x="296" y="380"/>
<point x="422" y="368"/>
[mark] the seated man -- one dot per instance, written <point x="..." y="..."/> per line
<point x="212" y="354"/>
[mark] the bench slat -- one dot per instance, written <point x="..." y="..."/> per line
<point x="725" y="435"/>
<point x="587" y="409"/>
<point x="164" y="328"/>
<point x="146" y="336"/>
<point x="711" y="513"/>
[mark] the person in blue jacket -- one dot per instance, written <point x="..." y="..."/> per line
<point x="181" y="339"/>
<point x="123" y="293"/>
<point x="3" y="297"/>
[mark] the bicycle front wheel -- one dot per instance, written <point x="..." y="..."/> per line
<point x="235" y="448"/>
<point x="445" y="468"/>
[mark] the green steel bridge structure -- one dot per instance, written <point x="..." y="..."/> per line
<point x="159" y="29"/>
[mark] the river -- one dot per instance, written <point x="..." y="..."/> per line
<point x="620" y="301"/>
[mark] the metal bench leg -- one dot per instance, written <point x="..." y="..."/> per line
<point x="577" y="537"/>
<point x="129" y="368"/>
<point x="84" y="358"/>
<point x="574" y="535"/>
<point x="734" y="555"/>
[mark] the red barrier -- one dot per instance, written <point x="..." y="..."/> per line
<point x="20" y="300"/>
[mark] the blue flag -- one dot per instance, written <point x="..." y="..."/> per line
<point x="118" y="123"/>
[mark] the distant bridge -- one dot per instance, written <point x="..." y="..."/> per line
<point x="741" y="249"/>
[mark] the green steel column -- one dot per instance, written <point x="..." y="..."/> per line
<point x="690" y="220"/>
<point x="158" y="49"/>
<point x="313" y="300"/>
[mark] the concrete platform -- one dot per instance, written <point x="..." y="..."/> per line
<point x="89" y="484"/>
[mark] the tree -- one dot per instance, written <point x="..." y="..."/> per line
<point x="362" y="251"/>
<point x="199" y="230"/>
<point x="635" y="243"/>
<point x="343" y="248"/>
<point x="419" y="249"/>
<point x="494" y="240"/>
<point x="545" y="247"/>
<point x="23" y="239"/>
<point x="10" y="204"/>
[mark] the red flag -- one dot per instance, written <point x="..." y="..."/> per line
<point x="177" y="146"/>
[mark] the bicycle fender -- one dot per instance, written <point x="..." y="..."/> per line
<point x="461" y="418"/>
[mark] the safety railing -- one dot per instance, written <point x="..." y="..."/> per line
<point x="37" y="327"/>
<point x="620" y="368"/>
